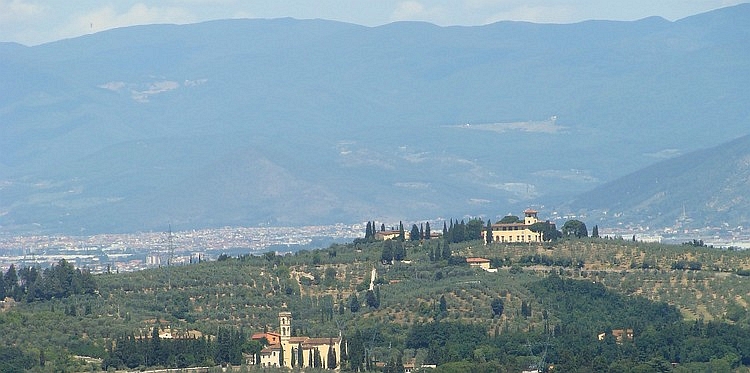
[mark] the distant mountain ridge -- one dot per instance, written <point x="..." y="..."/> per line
<point x="710" y="187"/>
<point x="284" y="121"/>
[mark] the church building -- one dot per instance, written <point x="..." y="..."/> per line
<point x="301" y="352"/>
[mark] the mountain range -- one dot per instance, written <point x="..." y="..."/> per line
<point x="298" y="122"/>
<point x="704" y="188"/>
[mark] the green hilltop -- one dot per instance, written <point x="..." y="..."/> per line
<point x="546" y="305"/>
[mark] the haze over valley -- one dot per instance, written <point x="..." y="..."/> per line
<point x="255" y="195"/>
<point x="306" y="122"/>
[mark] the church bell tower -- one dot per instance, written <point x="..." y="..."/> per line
<point x="285" y="325"/>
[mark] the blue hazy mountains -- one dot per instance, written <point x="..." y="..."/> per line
<point x="705" y="188"/>
<point x="245" y="122"/>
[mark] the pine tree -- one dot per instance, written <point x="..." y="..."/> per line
<point x="427" y="233"/>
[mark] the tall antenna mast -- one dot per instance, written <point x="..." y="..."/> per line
<point x="169" y="259"/>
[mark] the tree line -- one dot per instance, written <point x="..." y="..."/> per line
<point x="133" y="351"/>
<point x="456" y="232"/>
<point x="61" y="280"/>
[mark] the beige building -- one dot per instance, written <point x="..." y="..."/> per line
<point x="305" y="347"/>
<point x="482" y="263"/>
<point x="517" y="232"/>
<point x="388" y="235"/>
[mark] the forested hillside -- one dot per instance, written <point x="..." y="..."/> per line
<point x="559" y="304"/>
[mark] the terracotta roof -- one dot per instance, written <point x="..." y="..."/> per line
<point x="477" y="260"/>
<point x="271" y="348"/>
<point x="320" y="341"/>
<point x="258" y="336"/>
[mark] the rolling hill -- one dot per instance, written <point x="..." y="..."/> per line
<point x="560" y="296"/>
<point x="709" y="187"/>
<point x="284" y="121"/>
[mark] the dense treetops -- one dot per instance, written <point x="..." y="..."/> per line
<point x="58" y="281"/>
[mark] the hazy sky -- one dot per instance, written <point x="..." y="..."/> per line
<point x="33" y="22"/>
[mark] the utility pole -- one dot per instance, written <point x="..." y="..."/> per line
<point x="169" y="259"/>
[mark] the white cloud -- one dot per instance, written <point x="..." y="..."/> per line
<point x="17" y="15"/>
<point x="19" y="10"/>
<point x="533" y="13"/>
<point x="408" y="10"/>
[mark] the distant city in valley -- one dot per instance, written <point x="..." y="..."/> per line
<point x="137" y="251"/>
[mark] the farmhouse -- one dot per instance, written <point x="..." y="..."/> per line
<point x="482" y="263"/>
<point x="517" y="232"/>
<point x="300" y="351"/>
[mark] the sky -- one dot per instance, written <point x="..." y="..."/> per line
<point x="32" y="22"/>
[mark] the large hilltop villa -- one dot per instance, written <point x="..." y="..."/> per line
<point x="518" y="231"/>
<point x="286" y="350"/>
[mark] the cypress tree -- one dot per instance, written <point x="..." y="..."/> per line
<point x="331" y="363"/>
<point x="399" y="366"/>
<point x="446" y="254"/>
<point x="354" y="303"/>
<point x="294" y="357"/>
<point x="414" y="234"/>
<point x="317" y="360"/>
<point x="344" y="352"/>
<point x="300" y="354"/>
<point x="488" y="232"/>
